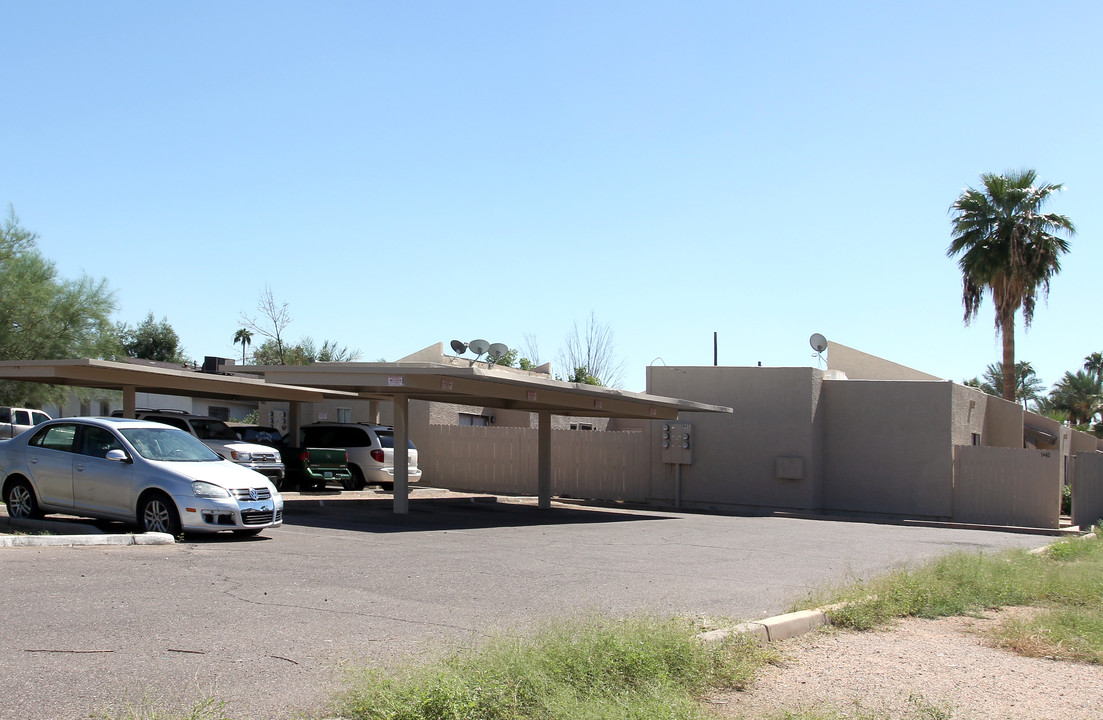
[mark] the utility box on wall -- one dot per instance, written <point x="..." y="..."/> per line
<point x="677" y="443"/>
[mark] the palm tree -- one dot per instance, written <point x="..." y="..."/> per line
<point x="1094" y="364"/>
<point x="1080" y="395"/>
<point x="1028" y="386"/>
<point x="244" y="337"/>
<point x="1010" y="248"/>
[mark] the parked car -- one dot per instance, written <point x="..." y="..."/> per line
<point x="157" y="477"/>
<point x="305" y="468"/>
<point x="370" y="451"/>
<point x="16" y="420"/>
<point x="218" y="436"/>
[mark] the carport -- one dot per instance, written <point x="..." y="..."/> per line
<point x="396" y="382"/>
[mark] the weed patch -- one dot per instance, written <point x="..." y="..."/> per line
<point x="592" y="669"/>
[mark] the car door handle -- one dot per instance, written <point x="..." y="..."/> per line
<point x="78" y="468"/>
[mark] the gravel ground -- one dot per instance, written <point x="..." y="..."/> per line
<point x="919" y="669"/>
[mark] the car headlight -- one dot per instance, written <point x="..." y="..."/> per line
<point x="208" y="490"/>
<point x="241" y="456"/>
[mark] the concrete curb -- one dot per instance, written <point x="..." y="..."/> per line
<point x="772" y="629"/>
<point x="790" y="625"/>
<point x="85" y="540"/>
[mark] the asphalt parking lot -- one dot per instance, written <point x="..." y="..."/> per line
<point x="270" y="624"/>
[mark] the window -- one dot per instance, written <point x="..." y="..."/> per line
<point x="344" y="414"/>
<point x="219" y="413"/>
<point x="174" y="421"/>
<point x="96" y="441"/>
<point x="469" y="420"/>
<point x="55" y="437"/>
<point x="976" y="438"/>
<point x="85" y="408"/>
<point x="582" y="426"/>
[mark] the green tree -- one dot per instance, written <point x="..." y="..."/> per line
<point x="582" y="376"/>
<point x="46" y="317"/>
<point x="245" y="337"/>
<point x="151" y="340"/>
<point x="303" y="352"/>
<point x="1008" y="247"/>
<point x="1080" y="395"/>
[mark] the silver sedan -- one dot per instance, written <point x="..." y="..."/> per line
<point x="155" y="476"/>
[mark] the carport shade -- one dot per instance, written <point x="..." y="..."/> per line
<point x="484" y="386"/>
<point x="399" y="382"/>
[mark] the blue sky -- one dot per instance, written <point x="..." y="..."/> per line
<point x="408" y="173"/>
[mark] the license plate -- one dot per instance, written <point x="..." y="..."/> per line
<point x="327" y="474"/>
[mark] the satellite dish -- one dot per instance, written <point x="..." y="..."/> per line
<point x="478" y="346"/>
<point x="497" y="350"/>
<point x="818" y="342"/>
<point x="459" y="347"/>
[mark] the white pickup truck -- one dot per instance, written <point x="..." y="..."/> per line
<point x="15" y="420"/>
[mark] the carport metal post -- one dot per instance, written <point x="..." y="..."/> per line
<point x="401" y="454"/>
<point x="543" y="460"/>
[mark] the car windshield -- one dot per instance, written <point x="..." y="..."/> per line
<point x="168" y="445"/>
<point x="212" y="430"/>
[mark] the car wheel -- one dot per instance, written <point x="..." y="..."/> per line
<point x="358" y="481"/>
<point x="248" y="533"/>
<point x="21" y="501"/>
<point x="157" y="513"/>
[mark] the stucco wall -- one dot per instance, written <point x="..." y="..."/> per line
<point x="735" y="457"/>
<point x="887" y="447"/>
<point x="969" y="406"/>
<point x="1003" y="423"/>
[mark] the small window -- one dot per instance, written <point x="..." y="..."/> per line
<point x="85" y="409"/>
<point x="582" y="426"/>
<point x="976" y="438"/>
<point x="344" y="414"/>
<point x="469" y="420"/>
<point x="219" y="413"/>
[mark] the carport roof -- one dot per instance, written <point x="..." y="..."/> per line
<point x="483" y="386"/>
<point x="472" y="385"/>
<point x="110" y="375"/>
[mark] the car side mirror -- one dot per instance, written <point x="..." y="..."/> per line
<point x="117" y="455"/>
